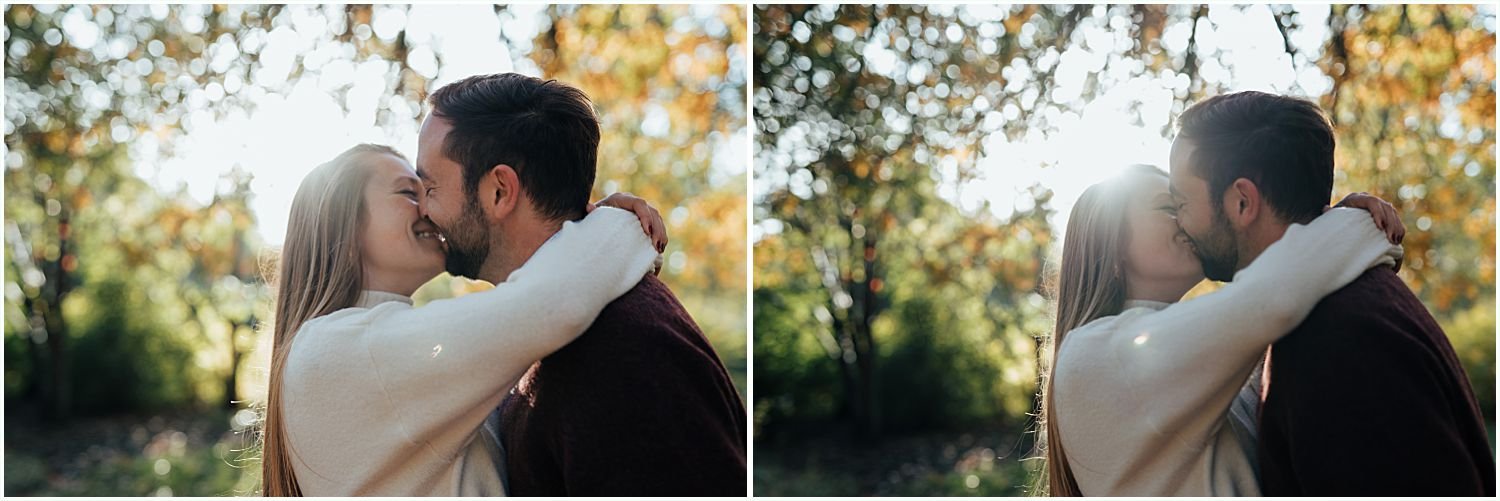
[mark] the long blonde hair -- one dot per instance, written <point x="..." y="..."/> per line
<point x="1090" y="284"/>
<point x="320" y="272"/>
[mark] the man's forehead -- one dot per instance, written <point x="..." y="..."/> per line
<point x="434" y="127"/>
<point x="429" y="145"/>
<point x="1181" y="156"/>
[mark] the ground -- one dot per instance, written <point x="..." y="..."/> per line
<point x="197" y="453"/>
<point x="976" y="463"/>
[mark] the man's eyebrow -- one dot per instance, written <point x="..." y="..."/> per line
<point x="422" y="173"/>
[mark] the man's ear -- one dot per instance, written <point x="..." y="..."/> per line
<point x="1242" y="202"/>
<point x="499" y="192"/>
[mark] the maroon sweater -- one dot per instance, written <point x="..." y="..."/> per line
<point x="1366" y="398"/>
<point x="638" y="405"/>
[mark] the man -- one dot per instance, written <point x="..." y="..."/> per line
<point x="640" y="404"/>
<point x="1365" y="397"/>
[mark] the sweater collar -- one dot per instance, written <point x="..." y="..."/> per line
<point x="369" y="298"/>
<point x="1145" y="303"/>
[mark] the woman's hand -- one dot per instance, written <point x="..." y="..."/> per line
<point x="651" y="221"/>
<point x="1386" y="217"/>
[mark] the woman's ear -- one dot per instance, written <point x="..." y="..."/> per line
<point x="499" y="192"/>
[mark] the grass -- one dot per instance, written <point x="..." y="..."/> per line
<point x="182" y="454"/>
<point x="985" y="463"/>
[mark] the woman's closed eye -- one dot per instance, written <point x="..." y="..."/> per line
<point x="409" y="193"/>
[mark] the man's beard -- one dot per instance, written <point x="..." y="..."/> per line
<point x="1218" y="251"/>
<point x="468" y="242"/>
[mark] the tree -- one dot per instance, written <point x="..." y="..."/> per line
<point x="93" y="89"/>
<point x="863" y="115"/>
<point x="1413" y="101"/>
<point x="871" y="119"/>
<point x="98" y="94"/>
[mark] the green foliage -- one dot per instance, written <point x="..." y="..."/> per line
<point x="851" y="161"/>
<point x="121" y="296"/>
<point x="195" y="473"/>
<point x="985" y="481"/>
<point x="721" y="316"/>
<point x="774" y="480"/>
<point x="197" y="456"/>
<point x="791" y="366"/>
<point x="123" y="358"/>
<point x="922" y="314"/>
<point x="24" y="473"/>
<point x="1414" y="108"/>
<point x="18" y="368"/>
<point x="108" y="273"/>
<point x="939" y="374"/>
<point x="1472" y="332"/>
<point x="943" y="464"/>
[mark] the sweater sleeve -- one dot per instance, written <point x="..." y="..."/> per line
<point x="1203" y="349"/>
<point x="445" y="365"/>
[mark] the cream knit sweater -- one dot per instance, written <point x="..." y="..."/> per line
<point x="1142" y="399"/>
<point x="389" y="400"/>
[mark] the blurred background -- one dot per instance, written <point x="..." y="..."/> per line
<point x="151" y="155"/>
<point x="914" y="168"/>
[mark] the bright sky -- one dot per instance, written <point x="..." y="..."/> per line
<point x="1101" y="136"/>
<point x="285" y="136"/>
<point x="1103" y="139"/>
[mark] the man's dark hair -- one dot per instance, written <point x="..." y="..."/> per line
<point x="1282" y="144"/>
<point x="545" y="130"/>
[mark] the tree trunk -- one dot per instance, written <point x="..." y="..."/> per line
<point x="59" y="392"/>
<point x="851" y="406"/>
<point x="231" y="383"/>
<point x="58" y="401"/>
<point x="866" y="300"/>
<point x="31" y="390"/>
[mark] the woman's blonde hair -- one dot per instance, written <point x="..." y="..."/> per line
<point x="1090" y="284"/>
<point x="320" y="271"/>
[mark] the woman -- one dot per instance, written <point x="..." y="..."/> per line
<point x="369" y="396"/>
<point x="1142" y="397"/>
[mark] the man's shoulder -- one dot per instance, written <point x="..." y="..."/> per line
<point x="645" y="322"/>
<point x="1376" y="315"/>
<point x="1374" y="300"/>
<point x="1376" y="285"/>
<point x="649" y="300"/>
